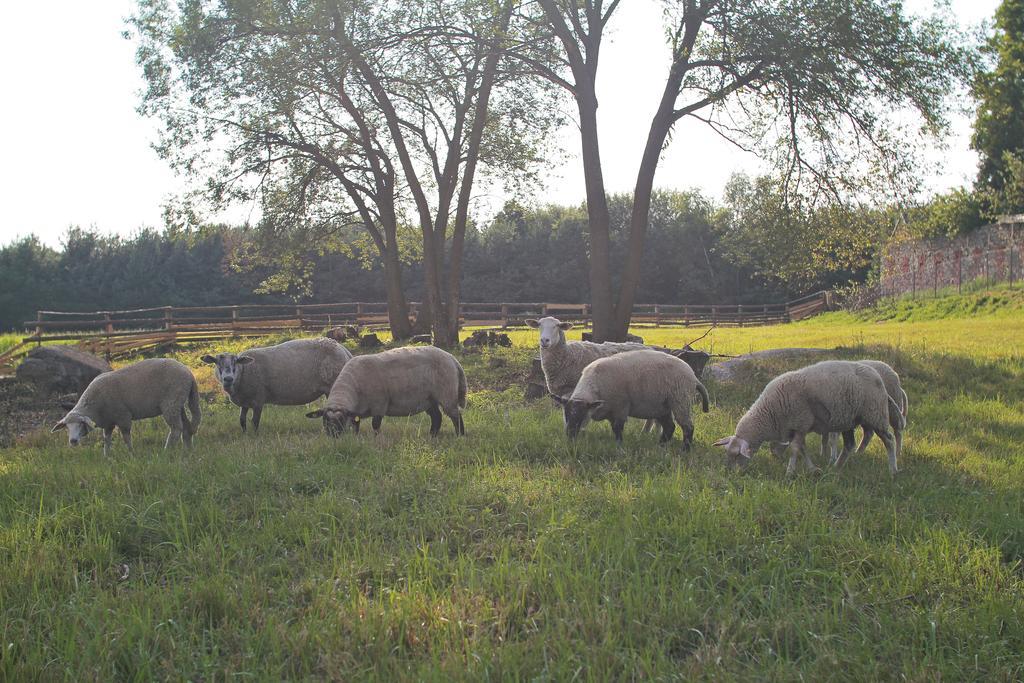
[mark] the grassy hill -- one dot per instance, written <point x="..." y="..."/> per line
<point x="513" y="553"/>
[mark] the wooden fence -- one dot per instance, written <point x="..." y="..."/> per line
<point x="117" y="333"/>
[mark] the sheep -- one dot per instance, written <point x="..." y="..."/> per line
<point x="646" y="383"/>
<point x="158" y="386"/>
<point x="294" y="373"/>
<point x="830" y="396"/>
<point x="894" y="388"/>
<point x="398" y="382"/>
<point x="563" y="361"/>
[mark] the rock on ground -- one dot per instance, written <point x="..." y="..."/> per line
<point x="735" y="369"/>
<point x="60" y="369"/>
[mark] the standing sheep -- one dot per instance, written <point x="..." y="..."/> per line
<point x="158" y="386"/>
<point x="563" y="361"/>
<point x="647" y="384"/>
<point x="897" y="420"/>
<point x="830" y="396"/>
<point x="398" y="382"/>
<point x="294" y="373"/>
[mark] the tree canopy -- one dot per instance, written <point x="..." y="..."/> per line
<point x="999" y="125"/>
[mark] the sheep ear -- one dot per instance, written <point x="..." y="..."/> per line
<point x="723" y="442"/>
<point x="244" y="360"/>
<point x="595" y="404"/>
<point x="560" y="400"/>
<point x="59" y="426"/>
<point x="207" y="358"/>
<point x="315" y="413"/>
<point x="565" y="326"/>
<point x="532" y="323"/>
<point x="88" y="421"/>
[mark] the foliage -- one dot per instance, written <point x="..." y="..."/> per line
<point x="953" y="213"/>
<point x="514" y="554"/>
<point x="792" y="243"/>
<point x="1009" y="197"/>
<point x="999" y="126"/>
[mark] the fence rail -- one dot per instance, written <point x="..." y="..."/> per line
<point x="118" y="333"/>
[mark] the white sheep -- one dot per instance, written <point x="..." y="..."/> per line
<point x="294" y="373"/>
<point x="646" y="384"/>
<point x="158" y="386"/>
<point x="830" y="396"/>
<point x="898" y="422"/>
<point x="399" y="382"/>
<point x="563" y="361"/>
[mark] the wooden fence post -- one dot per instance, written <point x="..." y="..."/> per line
<point x="168" y="318"/>
<point x="39" y="328"/>
<point x="504" y="316"/>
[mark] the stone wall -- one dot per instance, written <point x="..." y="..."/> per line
<point x="993" y="252"/>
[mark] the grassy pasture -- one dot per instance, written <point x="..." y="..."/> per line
<point x="514" y="554"/>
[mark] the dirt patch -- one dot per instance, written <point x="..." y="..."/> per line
<point x="23" y="411"/>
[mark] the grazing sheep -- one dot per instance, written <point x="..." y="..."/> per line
<point x="647" y="384"/>
<point x="294" y="373"/>
<point x="158" y="386"/>
<point x="563" y="361"/>
<point x="898" y="422"/>
<point x="398" y="382"/>
<point x="830" y="396"/>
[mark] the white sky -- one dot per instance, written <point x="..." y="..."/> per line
<point x="76" y="153"/>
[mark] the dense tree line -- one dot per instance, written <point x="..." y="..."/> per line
<point x="696" y="252"/>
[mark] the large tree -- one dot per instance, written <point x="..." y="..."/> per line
<point x="818" y="87"/>
<point x="337" y="114"/>
<point x="999" y="126"/>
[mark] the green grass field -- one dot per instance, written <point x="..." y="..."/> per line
<point x="513" y="554"/>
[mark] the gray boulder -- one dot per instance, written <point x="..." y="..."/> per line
<point x="60" y="369"/>
<point x="737" y="369"/>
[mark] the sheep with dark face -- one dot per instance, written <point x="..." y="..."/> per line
<point x="563" y="361"/>
<point x="149" y="388"/>
<point x="399" y="382"/>
<point x="294" y="373"/>
<point x="645" y="384"/>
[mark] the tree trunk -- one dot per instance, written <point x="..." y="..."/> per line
<point x="599" y="220"/>
<point x="469" y="172"/>
<point x="638" y="220"/>
<point x="398" y="307"/>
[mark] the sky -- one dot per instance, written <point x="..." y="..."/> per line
<point x="75" y="151"/>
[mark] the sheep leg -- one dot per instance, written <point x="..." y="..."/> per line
<point x="831" y="444"/>
<point x="796" y="447"/>
<point x="890" y="445"/>
<point x="241" y="416"/>
<point x="808" y="463"/>
<point x="668" y="427"/>
<point x="173" y="420"/>
<point x="899" y="443"/>
<point x="849" y="442"/>
<point x="108" y="436"/>
<point x="257" y="412"/>
<point x="687" y="436"/>
<point x="456" y="419"/>
<point x="375" y="423"/>
<point x="186" y="433"/>
<point x="435" y="419"/>
<point x="126" y="434"/>
<point x="618" y="424"/>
